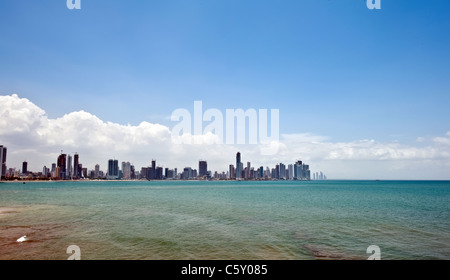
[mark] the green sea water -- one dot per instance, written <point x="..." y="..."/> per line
<point x="200" y="220"/>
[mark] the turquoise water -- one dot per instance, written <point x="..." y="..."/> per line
<point x="226" y="220"/>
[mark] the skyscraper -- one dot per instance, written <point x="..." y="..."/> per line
<point x="3" y="151"/>
<point x="69" y="167"/>
<point x="97" y="171"/>
<point x="282" y="173"/>
<point x="159" y="173"/>
<point x="113" y="169"/>
<point x="45" y="171"/>
<point x="126" y="170"/>
<point x="53" y="170"/>
<point x="232" y="172"/>
<point x="238" y="166"/>
<point x="291" y="172"/>
<point x="25" y="168"/>
<point x="144" y="172"/>
<point x="202" y="168"/>
<point x="61" y="167"/>
<point x="76" y="167"/>
<point x="187" y="173"/>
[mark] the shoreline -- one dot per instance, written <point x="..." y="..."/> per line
<point x="193" y="180"/>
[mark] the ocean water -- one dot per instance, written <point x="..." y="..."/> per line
<point x="189" y="220"/>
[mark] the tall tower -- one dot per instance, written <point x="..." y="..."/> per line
<point x="238" y="166"/>
<point x="232" y="172"/>
<point x="69" y="167"/>
<point x="3" y="151"/>
<point x="61" y="164"/>
<point x="76" y="167"/>
<point x="153" y="170"/>
<point x="25" y="168"/>
<point x="202" y="168"/>
<point x="126" y="170"/>
<point x="113" y="169"/>
<point x="97" y="171"/>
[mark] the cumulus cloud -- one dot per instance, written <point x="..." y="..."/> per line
<point x="31" y="135"/>
<point x="443" y="140"/>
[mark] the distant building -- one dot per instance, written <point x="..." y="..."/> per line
<point x="69" y="167"/>
<point x="126" y="170"/>
<point x="170" y="174"/>
<point x="152" y="174"/>
<point x="53" y="170"/>
<point x="282" y="171"/>
<point x="25" y="168"/>
<point x="76" y="167"/>
<point x="159" y="173"/>
<point x="3" y="151"/>
<point x="113" y="170"/>
<point x="144" y="171"/>
<point x="298" y="170"/>
<point x="231" y="172"/>
<point x="238" y="166"/>
<point x="247" y="171"/>
<point x="132" y="173"/>
<point x="187" y="173"/>
<point x="97" y="171"/>
<point x="202" y="168"/>
<point x="46" y="171"/>
<point x="61" y="167"/>
<point x="290" y="172"/>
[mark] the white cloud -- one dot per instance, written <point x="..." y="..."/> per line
<point x="30" y="135"/>
<point x="443" y="140"/>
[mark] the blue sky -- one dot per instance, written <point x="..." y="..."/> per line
<point x="332" y="68"/>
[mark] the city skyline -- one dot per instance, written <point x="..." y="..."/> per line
<point x="360" y="93"/>
<point x="375" y="160"/>
<point x="64" y="169"/>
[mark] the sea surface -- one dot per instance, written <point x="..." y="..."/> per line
<point x="225" y="220"/>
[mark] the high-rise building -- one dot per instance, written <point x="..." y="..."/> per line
<point x="61" y="166"/>
<point x="282" y="171"/>
<point x="261" y="172"/>
<point x="69" y="167"/>
<point x="53" y="170"/>
<point x="3" y="151"/>
<point x="187" y="173"/>
<point x="152" y="171"/>
<point x="46" y="171"/>
<point x="97" y="171"/>
<point x="290" y="171"/>
<point x="76" y="167"/>
<point x="232" y="172"/>
<point x="113" y="169"/>
<point x="277" y="172"/>
<point x="25" y="168"/>
<point x="238" y="166"/>
<point x="306" y="172"/>
<point x="298" y="170"/>
<point x="126" y="170"/>
<point x="159" y="173"/>
<point x="202" y="168"/>
<point x="132" y="172"/>
<point x="144" y="172"/>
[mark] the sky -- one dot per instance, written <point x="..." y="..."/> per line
<point x="361" y="94"/>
